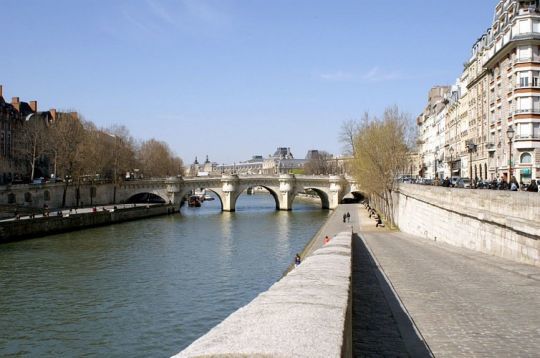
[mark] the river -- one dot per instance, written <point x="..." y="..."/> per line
<point x="145" y="288"/>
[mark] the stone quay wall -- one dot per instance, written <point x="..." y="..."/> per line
<point x="28" y="228"/>
<point x="500" y="223"/>
<point x="305" y="314"/>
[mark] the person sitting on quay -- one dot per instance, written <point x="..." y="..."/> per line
<point x="297" y="260"/>
<point x="533" y="187"/>
<point x="326" y="240"/>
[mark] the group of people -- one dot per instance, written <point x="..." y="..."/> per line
<point x="374" y="214"/>
<point x="347" y="217"/>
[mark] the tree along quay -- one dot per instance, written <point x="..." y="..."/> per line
<point x="14" y="230"/>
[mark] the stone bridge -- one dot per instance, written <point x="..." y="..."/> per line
<point x="283" y="188"/>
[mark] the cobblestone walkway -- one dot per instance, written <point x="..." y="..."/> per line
<point x="464" y="303"/>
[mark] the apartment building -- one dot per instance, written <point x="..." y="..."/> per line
<point x="431" y="133"/>
<point x="492" y="124"/>
<point x="14" y="115"/>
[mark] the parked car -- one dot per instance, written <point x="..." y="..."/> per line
<point x="464" y="183"/>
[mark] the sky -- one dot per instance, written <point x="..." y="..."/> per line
<point x="235" y="78"/>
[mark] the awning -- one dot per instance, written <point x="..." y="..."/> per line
<point x="525" y="171"/>
<point x="455" y="170"/>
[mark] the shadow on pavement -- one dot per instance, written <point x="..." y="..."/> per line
<point x="380" y="325"/>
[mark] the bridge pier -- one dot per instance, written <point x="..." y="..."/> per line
<point x="287" y="191"/>
<point x="337" y="184"/>
<point x="174" y="187"/>
<point x="230" y="190"/>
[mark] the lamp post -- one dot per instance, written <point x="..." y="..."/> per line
<point x="435" y="161"/>
<point x="471" y="147"/>
<point x="451" y="150"/>
<point x="510" y="135"/>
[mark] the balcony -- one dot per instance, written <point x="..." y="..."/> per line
<point x="531" y="84"/>
<point x="527" y="111"/>
<point x="527" y="137"/>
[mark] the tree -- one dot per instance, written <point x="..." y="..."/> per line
<point x="320" y="163"/>
<point x="34" y="135"/>
<point x="67" y="135"/>
<point x="381" y="154"/>
<point x="348" y="133"/>
<point x="157" y="159"/>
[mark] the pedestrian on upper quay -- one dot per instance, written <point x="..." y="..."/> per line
<point x="348" y="217"/>
<point x="344" y="217"/>
<point x="532" y="186"/>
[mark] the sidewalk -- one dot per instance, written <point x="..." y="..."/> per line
<point x="335" y="225"/>
<point x="463" y="303"/>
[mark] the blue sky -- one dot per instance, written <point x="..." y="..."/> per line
<point x="232" y="78"/>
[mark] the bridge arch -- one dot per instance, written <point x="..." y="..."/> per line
<point x="145" y="197"/>
<point x="323" y="195"/>
<point x="269" y="189"/>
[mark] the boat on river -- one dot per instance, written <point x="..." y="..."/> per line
<point x="194" y="201"/>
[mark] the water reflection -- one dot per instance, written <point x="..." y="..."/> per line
<point x="145" y="288"/>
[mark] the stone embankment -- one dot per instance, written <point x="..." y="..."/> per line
<point x="13" y="230"/>
<point x="499" y="223"/>
<point x="305" y="314"/>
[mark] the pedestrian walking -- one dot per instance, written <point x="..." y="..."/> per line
<point x="326" y="240"/>
<point x="348" y="217"/>
<point x="344" y="217"/>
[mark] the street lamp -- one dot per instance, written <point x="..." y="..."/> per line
<point x="471" y="147"/>
<point x="435" y="157"/>
<point x="451" y="150"/>
<point x="510" y="135"/>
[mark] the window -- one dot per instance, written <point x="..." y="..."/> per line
<point x="524" y="27"/>
<point x="535" y="76"/>
<point x="46" y="195"/>
<point x="526" y="158"/>
<point x="523" y="79"/>
<point x="536" y="26"/>
<point x="536" y="130"/>
<point x="524" y="130"/>
<point x="27" y="197"/>
<point x="11" y="198"/>
<point x="524" y="53"/>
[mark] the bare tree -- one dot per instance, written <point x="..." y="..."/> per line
<point x="157" y="159"/>
<point x="381" y="154"/>
<point x="67" y="135"/>
<point x="320" y="163"/>
<point x="34" y="135"/>
<point x="349" y="131"/>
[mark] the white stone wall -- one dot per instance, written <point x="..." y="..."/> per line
<point x="501" y="223"/>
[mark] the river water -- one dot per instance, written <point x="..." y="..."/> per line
<point x="146" y="288"/>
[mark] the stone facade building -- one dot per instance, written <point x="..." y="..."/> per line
<point x="14" y="116"/>
<point x="493" y="111"/>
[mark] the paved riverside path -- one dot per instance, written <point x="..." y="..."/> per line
<point x="464" y="303"/>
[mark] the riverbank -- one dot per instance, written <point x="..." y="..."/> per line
<point x="69" y="220"/>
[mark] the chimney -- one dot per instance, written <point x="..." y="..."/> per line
<point x="16" y="103"/>
<point x="52" y="111"/>
<point x="33" y="106"/>
<point x="1" y="91"/>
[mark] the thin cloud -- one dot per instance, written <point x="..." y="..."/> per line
<point x="337" y="76"/>
<point x="161" y="12"/>
<point x="375" y="74"/>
